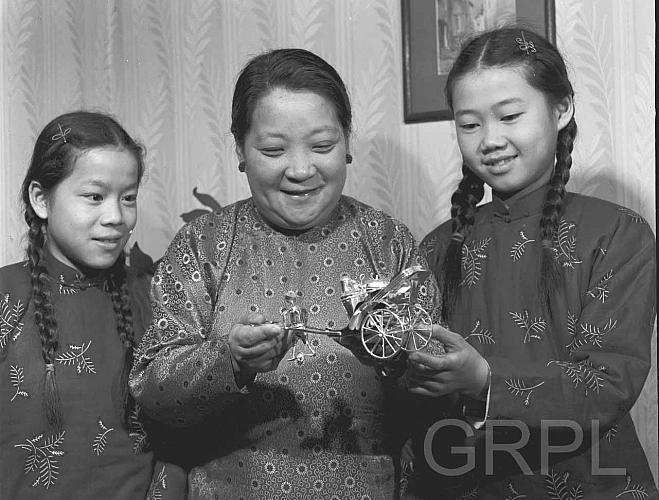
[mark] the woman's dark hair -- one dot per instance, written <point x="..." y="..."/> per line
<point x="56" y="150"/>
<point x="544" y="69"/>
<point x="291" y="69"/>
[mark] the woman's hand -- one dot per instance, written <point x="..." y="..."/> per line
<point x="460" y="370"/>
<point x="257" y="346"/>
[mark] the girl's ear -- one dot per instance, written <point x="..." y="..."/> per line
<point x="565" y="112"/>
<point x="38" y="200"/>
<point x="239" y="153"/>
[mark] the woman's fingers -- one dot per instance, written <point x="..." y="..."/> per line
<point x="251" y="336"/>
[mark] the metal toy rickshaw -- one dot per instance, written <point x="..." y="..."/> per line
<point x="383" y="315"/>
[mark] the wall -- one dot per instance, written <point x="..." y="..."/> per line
<point x="166" y="69"/>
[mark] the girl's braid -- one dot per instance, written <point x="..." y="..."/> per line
<point x="463" y="210"/>
<point x="124" y="319"/>
<point x="44" y="315"/>
<point x="552" y="209"/>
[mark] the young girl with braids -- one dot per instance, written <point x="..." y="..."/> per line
<point x="71" y="317"/>
<point x="549" y="297"/>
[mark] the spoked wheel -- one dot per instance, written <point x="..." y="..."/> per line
<point x="382" y="333"/>
<point x="419" y="329"/>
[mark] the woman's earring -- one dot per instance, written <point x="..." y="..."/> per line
<point x="241" y="166"/>
<point x="348" y="159"/>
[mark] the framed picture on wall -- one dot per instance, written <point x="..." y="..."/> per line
<point x="432" y="33"/>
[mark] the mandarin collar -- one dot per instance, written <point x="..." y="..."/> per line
<point x="518" y="208"/>
<point x="71" y="280"/>
<point x="311" y="235"/>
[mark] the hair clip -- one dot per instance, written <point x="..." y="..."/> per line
<point x="62" y="133"/>
<point x="525" y="45"/>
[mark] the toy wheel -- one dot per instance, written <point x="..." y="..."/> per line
<point x="382" y="333"/>
<point x="420" y="329"/>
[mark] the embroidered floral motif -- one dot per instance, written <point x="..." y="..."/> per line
<point x="564" y="247"/>
<point x="16" y="376"/>
<point x="65" y="288"/>
<point x="483" y="335"/>
<point x="469" y="494"/>
<point x="611" y="433"/>
<point x="10" y="324"/>
<point x="519" y="247"/>
<point x="594" y="334"/>
<point x="631" y="214"/>
<point x="601" y="290"/>
<point x="533" y="328"/>
<point x="589" y="334"/>
<point x="101" y="440"/>
<point x="518" y="387"/>
<point x="76" y="355"/>
<point x="558" y="489"/>
<point x="136" y="431"/>
<point x="582" y="372"/>
<point x="42" y="458"/>
<point x="514" y="495"/>
<point x="637" y="491"/>
<point x="472" y="257"/>
<point x="572" y="330"/>
<point x="158" y="486"/>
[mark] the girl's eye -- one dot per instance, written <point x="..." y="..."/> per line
<point x="511" y="117"/>
<point x="323" y="148"/>
<point x="272" y="152"/>
<point x="468" y="126"/>
<point x="130" y="198"/>
<point x="94" y="197"/>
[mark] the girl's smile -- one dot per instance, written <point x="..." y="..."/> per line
<point x="91" y="212"/>
<point x="507" y="129"/>
<point x="499" y="165"/>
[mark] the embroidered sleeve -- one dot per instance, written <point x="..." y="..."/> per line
<point x="605" y="359"/>
<point x="182" y="370"/>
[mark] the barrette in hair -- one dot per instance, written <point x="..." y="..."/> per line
<point x="525" y="45"/>
<point x="62" y="133"/>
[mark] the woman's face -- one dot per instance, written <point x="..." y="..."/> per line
<point x="295" y="158"/>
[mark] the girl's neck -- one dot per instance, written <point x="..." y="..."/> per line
<point x="71" y="268"/>
<point x="534" y="186"/>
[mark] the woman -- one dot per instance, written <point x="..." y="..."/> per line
<point x="259" y="422"/>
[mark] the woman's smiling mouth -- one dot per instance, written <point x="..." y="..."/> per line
<point x="300" y="193"/>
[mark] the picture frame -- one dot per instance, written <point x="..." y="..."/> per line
<point x="432" y="32"/>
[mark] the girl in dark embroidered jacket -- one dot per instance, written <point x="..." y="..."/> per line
<point x="71" y="316"/>
<point x="548" y="296"/>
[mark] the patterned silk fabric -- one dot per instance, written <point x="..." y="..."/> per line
<point x="94" y="455"/>
<point x="318" y="425"/>
<point x="586" y="363"/>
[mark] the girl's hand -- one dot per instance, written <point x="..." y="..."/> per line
<point x="461" y="370"/>
<point x="257" y="346"/>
